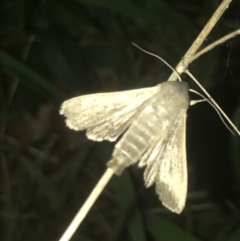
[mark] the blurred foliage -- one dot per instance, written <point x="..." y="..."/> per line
<point x="56" y="49"/>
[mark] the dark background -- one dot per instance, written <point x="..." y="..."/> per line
<point x="54" y="50"/>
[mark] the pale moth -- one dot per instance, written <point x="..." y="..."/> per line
<point x="153" y="121"/>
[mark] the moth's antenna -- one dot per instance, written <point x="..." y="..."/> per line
<point x="87" y="205"/>
<point x="158" y="57"/>
<point x="213" y="102"/>
<point x="215" y="108"/>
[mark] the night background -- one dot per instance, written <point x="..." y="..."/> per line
<point x="55" y="50"/>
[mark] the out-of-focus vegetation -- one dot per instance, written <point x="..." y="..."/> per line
<point x="56" y="49"/>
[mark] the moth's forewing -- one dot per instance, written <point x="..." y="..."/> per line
<point x="171" y="173"/>
<point x="105" y="115"/>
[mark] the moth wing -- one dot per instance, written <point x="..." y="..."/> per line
<point x="150" y="160"/>
<point x="171" y="178"/>
<point x="151" y="156"/>
<point x="105" y="115"/>
<point x="113" y="126"/>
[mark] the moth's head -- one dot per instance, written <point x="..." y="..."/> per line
<point x="178" y="86"/>
<point x="178" y="92"/>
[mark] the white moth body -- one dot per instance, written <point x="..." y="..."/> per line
<point x="154" y="122"/>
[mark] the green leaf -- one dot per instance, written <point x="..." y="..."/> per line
<point x="11" y="65"/>
<point x="127" y="201"/>
<point x="165" y="230"/>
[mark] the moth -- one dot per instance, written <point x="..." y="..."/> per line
<point x="153" y="123"/>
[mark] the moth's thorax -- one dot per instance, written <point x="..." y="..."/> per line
<point x="175" y="93"/>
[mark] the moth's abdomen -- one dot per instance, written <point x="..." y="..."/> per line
<point x="137" y="138"/>
<point x="159" y="113"/>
